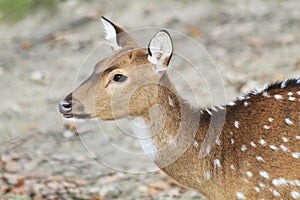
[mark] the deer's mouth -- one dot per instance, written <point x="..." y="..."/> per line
<point x="77" y="116"/>
<point x="65" y="108"/>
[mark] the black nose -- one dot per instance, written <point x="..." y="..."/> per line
<point x="65" y="106"/>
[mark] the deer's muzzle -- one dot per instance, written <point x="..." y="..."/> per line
<point x="65" y="106"/>
<point x="71" y="108"/>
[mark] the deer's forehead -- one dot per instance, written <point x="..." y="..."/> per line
<point x="122" y="59"/>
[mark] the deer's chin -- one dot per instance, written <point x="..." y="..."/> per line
<point x="78" y="118"/>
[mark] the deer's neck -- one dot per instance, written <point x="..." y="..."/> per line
<point x="172" y="124"/>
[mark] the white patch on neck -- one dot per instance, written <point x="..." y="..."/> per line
<point x="158" y="68"/>
<point x="141" y="130"/>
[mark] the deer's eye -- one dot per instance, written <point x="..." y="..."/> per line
<point x="119" y="78"/>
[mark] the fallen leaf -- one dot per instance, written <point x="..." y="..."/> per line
<point x="194" y="31"/>
<point x="20" y="182"/>
<point x="160" y="185"/>
<point x="253" y="41"/>
<point x="26" y="45"/>
<point x="30" y="127"/>
<point x="96" y="198"/>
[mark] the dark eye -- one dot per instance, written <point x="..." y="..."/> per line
<point x="119" y="78"/>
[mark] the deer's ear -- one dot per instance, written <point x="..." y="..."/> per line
<point x="117" y="37"/>
<point x="160" y="50"/>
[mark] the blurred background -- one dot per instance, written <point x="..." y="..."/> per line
<point x="44" y="48"/>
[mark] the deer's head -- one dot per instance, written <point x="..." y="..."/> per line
<point x="123" y="84"/>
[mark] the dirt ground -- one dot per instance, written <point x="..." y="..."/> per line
<point x="45" y="55"/>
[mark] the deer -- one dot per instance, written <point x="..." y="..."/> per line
<point x="246" y="149"/>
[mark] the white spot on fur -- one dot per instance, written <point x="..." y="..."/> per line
<point x="266" y="94"/>
<point x="249" y="173"/>
<point x="284" y="148"/>
<point x="253" y="144"/>
<point x="170" y="101"/>
<point x="294" y="182"/>
<point x="217" y="163"/>
<point x="246" y="103"/>
<point x="296" y="155"/>
<point x="283" y="84"/>
<point x="195" y="143"/>
<point x="264" y="174"/>
<point x="288" y="121"/>
<point x="207" y="175"/>
<point x="262" y="142"/>
<point x="279" y="182"/>
<point x="298" y="92"/>
<point x="275" y="193"/>
<point x="259" y="158"/>
<point x="244" y="148"/>
<point x="273" y="147"/>
<point x="208" y="111"/>
<point x="261" y="185"/>
<point x="232" y="167"/>
<point x="240" y="195"/>
<point x="259" y="90"/>
<point x="232" y="103"/>
<point x="297" y="137"/>
<point x="232" y="141"/>
<point x="295" y="194"/>
<point x="292" y="99"/>
<point x="270" y="119"/>
<point x="208" y="148"/>
<point x="218" y="141"/>
<point x="221" y="107"/>
<point x="257" y="189"/>
<point x="236" y="124"/>
<point x="267" y="127"/>
<point x="278" y="96"/>
<point x="290" y="93"/>
<point x="214" y="108"/>
<point x="285" y="139"/>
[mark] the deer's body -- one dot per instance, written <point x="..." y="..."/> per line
<point x="252" y="145"/>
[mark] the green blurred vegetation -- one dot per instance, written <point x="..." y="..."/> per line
<point x="14" y="10"/>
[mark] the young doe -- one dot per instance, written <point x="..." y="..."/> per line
<point x="252" y="144"/>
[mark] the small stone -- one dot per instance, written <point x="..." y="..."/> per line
<point x="40" y="76"/>
<point x="93" y="190"/>
<point x="68" y="134"/>
<point x="143" y="189"/>
<point x="110" y="192"/>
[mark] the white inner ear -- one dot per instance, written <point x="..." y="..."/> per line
<point x="161" y="49"/>
<point x="110" y="34"/>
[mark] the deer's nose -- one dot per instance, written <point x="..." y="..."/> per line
<point x="65" y="106"/>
